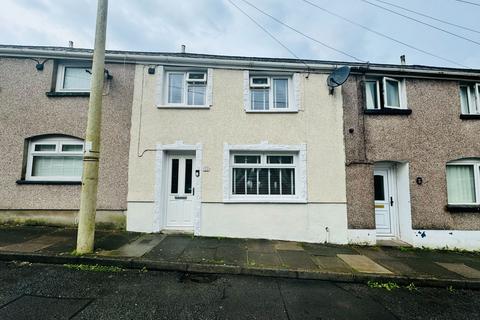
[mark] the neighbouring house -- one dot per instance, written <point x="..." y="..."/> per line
<point x="43" y="114"/>
<point x="413" y="155"/>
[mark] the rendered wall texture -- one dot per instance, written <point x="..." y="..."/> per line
<point x="26" y="111"/>
<point x="432" y="135"/>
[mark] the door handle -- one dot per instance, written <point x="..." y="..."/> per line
<point x="180" y="197"/>
<point x="193" y="191"/>
<point x="391" y="201"/>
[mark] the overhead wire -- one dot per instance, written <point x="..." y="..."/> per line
<point x="301" y="33"/>
<point x="469" y="2"/>
<point x="428" y="16"/>
<point x="422" y="22"/>
<point x="385" y="35"/>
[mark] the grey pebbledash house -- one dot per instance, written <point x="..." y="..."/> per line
<point x="245" y="147"/>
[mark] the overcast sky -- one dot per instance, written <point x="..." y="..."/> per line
<point x="217" y="27"/>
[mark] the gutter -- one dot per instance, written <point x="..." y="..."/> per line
<point x="139" y="58"/>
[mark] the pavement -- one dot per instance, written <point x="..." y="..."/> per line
<point x="38" y="291"/>
<point x="282" y="259"/>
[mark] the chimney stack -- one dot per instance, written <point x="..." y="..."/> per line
<point x="402" y="60"/>
<point x="182" y="50"/>
<point x="70" y="44"/>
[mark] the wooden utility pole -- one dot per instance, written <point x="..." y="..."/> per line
<point x="91" y="156"/>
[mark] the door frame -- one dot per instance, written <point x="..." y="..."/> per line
<point x="161" y="177"/>
<point x="393" y="191"/>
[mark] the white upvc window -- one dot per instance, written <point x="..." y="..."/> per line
<point x="270" y="93"/>
<point x="470" y="98"/>
<point x="260" y="175"/>
<point x="463" y="182"/>
<point x="385" y="92"/>
<point x="55" y="158"/>
<point x="186" y="88"/>
<point x="73" y="77"/>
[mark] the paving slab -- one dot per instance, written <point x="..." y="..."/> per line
<point x="288" y="245"/>
<point x="298" y="260"/>
<point x="199" y="255"/>
<point x="115" y="240"/>
<point x="263" y="259"/>
<point x="461" y="269"/>
<point x="170" y="248"/>
<point x="363" y="264"/>
<point x="232" y="255"/>
<point x="331" y="264"/>
<point x="398" y="267"/>
<point x="137" y="248"/>
<point x="326" y="250"/>
<point x="34" y="244"/>
<point x="259" y="245"/>
<point x="12" y="235"/>
<point x="428" y="267"/>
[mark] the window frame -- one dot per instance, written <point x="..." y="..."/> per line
<point x="381" y="94"/>
<point x="61" y="68"/>
<point x="473" y="98"/>
<point x="476" y="174"/>
<point x="271" y="96"/>
<point x="186" y="84"/>
<point x="58" y="142"/>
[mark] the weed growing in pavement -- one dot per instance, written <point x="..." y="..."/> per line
<point x="450" y="289"/>
<point x="94" y="268"/>
<point x="383" y="285"/>
<point x="411" y="287"/>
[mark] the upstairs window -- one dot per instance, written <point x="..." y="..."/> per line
<point x="73" y="78"/>
<point x="186" y="88"/>
<point x="463" y="182"/>
<point x="269" y="93"/>
<point x="55" y="158"/>
<point x="470" y="98"/>
<point x="385" y="93"/>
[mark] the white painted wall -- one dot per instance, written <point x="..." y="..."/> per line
<point x="296" y="222"/>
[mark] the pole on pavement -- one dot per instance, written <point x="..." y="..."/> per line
<point x="91" y="156"/>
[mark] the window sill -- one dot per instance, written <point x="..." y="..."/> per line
<point x="47" y="182"/>
<point x="271" y="111"/>
<point x="183" y="107"/>
<point x="470" y="116"/>
<point x="388" y="111"/>
<point x="463" y="208"/>
<point x="54" y="94"/>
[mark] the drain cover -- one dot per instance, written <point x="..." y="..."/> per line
<point x="40" y="307"/>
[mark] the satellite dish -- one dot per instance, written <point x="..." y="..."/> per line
<point x="338" y="77"/>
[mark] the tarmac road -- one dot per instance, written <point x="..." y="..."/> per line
<point x="56" y="292"/>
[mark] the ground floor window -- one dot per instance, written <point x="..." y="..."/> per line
<point x="263" y="174"/>
<point x="55" y="158"/>
<point x="463" y="182"/>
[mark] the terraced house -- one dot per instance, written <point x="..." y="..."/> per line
<point x="247" y="147"/>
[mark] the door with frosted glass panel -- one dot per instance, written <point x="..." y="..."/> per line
<point x="180" y="192"/>
<point x="383" y="203"/>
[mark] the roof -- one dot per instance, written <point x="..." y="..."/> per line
<point x="146" y="57"/>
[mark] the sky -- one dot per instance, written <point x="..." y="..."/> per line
<point x="218" y="27"/>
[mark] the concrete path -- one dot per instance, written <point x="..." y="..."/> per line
<point x="246" y="256"/>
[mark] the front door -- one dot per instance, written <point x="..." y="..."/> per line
<point x="384" y="202"/>
<point x="180" y="192"/>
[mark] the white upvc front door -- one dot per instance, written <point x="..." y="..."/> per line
<point x="180" y="192"/>
<point x="384" y="202"/>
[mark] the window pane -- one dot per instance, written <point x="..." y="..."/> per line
<point x="175" y="87"/>
<point x="188" y="175"/>
<point x="45" y="147"/>
<point x="72" y="148"/>
<point x="260" y="99"/>
<point x="196" y="95"/>
<point x="461" y="184"/>
<point x="464" y="99"/>
<point x="246" y="159"/>
<point x="280" y="93"/>
<point x="274" y="181"/>
<point x="263" y="181"/>
<point x="196" y="76"/>
<point x="288" y="181"/>
<point x="77" y="78"/>
<point x="379" y="188"/>
<point x="252" y="181"/>
<point x="260" y="81"/>
<point x="280" y="159"/>
<point x="371" y="94"/>
<point x="239" y="181"/>
<point x="55" y="166"/>
<point x="174" y="183"/>
<point x="393" y="93"/>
